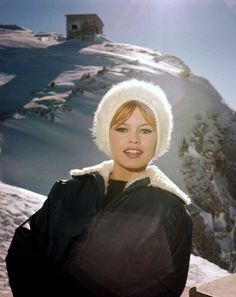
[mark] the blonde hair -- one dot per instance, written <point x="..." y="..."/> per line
<point x="125" y="111"/>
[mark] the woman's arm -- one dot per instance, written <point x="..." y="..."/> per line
<point x="25" y="261"/>
<point x="176" y="253"/>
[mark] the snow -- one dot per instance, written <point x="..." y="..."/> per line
<point x="16" y="205"/>
<point x="192" y="151"/>
<point x="223" y="190"/>
<point x="207" y="219"/>
<point x="15" y="36"/>
<point x="5" y="78"/>
<point x="68" y="78"/>
<point x="153" y="60"/>
<point x="219" y="222"/>
<point x="202" y="271"/>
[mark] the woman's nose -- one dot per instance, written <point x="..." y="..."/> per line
<point x="134" y="138"/>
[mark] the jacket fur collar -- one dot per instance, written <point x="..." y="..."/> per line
<point x="157" y="178"/>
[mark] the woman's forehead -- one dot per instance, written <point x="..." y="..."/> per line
<point x="126" y="111"/>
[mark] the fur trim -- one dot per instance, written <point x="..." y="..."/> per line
<point x="157" y="178"/>
<point x="145" y="92"/>
<point x="105" y="169"/>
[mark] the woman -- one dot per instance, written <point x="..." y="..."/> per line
<point x="119" y="228"/>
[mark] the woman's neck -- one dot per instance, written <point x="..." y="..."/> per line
<point x="123" y="174"/>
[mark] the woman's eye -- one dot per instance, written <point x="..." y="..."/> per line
<point x="121" y="129"/>
<point x="145" y="131"/>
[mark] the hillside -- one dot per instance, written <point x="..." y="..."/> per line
<point x="49" y="89"/>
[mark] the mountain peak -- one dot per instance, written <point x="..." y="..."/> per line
<point x="13" y="27"/>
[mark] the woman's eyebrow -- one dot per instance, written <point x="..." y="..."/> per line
<point x="127" y="124"/>
<point x="146" y="124"/>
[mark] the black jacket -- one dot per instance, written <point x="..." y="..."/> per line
<point x="139" y="245"/>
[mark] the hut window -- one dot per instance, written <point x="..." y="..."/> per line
<point x="74" y="27"/>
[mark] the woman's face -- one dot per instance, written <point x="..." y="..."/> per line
<point x="133" y="145"/>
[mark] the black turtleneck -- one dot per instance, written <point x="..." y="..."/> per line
<point x="115" y="187"/>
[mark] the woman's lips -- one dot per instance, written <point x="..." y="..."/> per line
<point x="133" y="153"/>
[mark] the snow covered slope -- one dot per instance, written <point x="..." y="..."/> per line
<point x="19" y="37"/>
<point x="48" y="96"/>
<point x="16" y="205"/>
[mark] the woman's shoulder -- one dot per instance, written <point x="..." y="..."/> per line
<point x="67" y="186"/>
<point x="77" y="192"/>
<point x="103" y="169"/>
<point x="166" y="199"/>
<point x="171" y="207"/>
<point x="74" y="181"/>
<point x="159" y="181"/>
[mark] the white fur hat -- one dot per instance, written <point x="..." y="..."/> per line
<point x="145" y="92"/>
